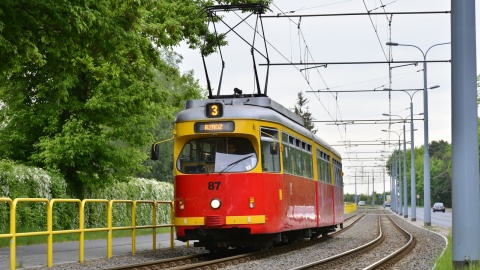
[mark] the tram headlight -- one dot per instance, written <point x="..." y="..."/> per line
<point x="251" y="202"/>
<point x="181" y="204"/>
<point x="215" y="203"/>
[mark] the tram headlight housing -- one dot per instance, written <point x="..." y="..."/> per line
<point x="251" y="203"/>
<point x="181" y="204"/>
<point x="215" y="203"/>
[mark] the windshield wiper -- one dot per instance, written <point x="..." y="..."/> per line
<point x="231" y="165"/>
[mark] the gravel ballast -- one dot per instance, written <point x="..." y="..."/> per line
<point x="431" y="243"/>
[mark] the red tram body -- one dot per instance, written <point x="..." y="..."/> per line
<point x="283" y="184"/>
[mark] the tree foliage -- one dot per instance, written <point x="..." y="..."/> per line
<point x="80" y="90"/>
<point x="182" y="88"/>
<point x="440" y="153"/>
<point x="302" y="110"/>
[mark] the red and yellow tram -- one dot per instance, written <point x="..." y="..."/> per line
<point x="248" y="174"/>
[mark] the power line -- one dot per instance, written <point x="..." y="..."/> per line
<point x="357" y="14"/>
<point x="375" y="30"/>
<point x="384" y="90"/>
<point x="357" y="62"/>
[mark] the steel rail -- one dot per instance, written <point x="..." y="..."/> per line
<point x="201" y="262"/>
<point x="388" y="261"/>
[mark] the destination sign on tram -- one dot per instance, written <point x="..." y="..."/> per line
<point x="207" y="127"/>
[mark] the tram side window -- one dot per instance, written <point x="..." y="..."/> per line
<point x="335" y="175"/>
<point x="308" y="161"/>
<point x="340" y="184"/>
<point x="326" y="171"/>
<point x="285" y="154"/>
<point x="337" y="166"/>
<point x="269" y="138"/>
<point x="320" y="168"/>
<point x="323" y="167"/>
<point x="340" y="178"/>
<point x="297" y="157"/>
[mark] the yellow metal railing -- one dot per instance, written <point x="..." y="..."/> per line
<point x="81" y="230"/>
<point x="350" y="207"/>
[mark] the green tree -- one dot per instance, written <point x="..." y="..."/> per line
<point x="182" y="88"/>
<point x="440" y="171"/>
<point x="302" y="110"/>
<point x="79" y="92"/>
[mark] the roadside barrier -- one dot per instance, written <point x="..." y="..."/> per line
<point x="349" y="207"/>
<point x="49" y="232"/>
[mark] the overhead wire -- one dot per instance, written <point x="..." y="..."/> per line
<point x="375" y="30"/>
<point x="343" y="134"/>
<point x="284" y="57"/>
<point x="398" y="78"/>
<point x="390" y="57"/>
<point x="307" y="55"/>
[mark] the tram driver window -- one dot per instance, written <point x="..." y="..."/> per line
<point x="232" y="148"/>
<point x="219" y="154"/>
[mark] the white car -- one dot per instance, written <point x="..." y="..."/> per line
<point x="361" y="203"/>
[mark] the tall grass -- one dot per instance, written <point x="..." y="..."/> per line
<point x="444" y="262"/>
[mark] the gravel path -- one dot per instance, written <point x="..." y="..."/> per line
<point x="430" y="245"/>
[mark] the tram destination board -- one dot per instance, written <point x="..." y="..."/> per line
<point x="208" y="127"/>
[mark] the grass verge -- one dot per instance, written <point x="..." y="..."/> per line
<point x="444" y="262"/>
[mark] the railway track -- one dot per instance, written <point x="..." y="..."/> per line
<point x="233" y="257"/>
<point x="381" y="253"/>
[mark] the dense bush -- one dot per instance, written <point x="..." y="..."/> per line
<point x="18" y="181"/>
<point x="135" y="189"/>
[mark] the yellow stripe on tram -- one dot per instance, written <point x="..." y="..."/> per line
<point x="235" y="220"/>
<point x="230" y="220"/>
<point x="189" y="221"/>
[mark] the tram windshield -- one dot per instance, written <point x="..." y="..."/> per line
<point x="208" y="155"/>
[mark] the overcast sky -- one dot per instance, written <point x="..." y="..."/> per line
<point x="345" y="39"/>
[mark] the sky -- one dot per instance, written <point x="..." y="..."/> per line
<point x="334" y="39"/>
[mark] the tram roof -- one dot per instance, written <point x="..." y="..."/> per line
<point x="262" y="108"/>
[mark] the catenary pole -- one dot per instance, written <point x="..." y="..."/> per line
<point x="405" y="201"/>
<point x="465" y="165"/>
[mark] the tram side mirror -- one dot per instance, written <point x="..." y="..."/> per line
<point x="273" y="148"/>
<point x="155" y="153"/>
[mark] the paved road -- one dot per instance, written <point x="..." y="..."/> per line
<point x="437" y="218"/>
<point x="32" y="256"/>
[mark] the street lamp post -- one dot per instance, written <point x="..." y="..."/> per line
<point x="405" y="201"/>
<point x="398" y="186"/>
<point x="413" y="187"/>
<point x="426" y="157"/>
<point x="405" y="205"/>
<point x="394" y="177"/>
<point x="392" y="197"/>
<point x="399" y="169"/>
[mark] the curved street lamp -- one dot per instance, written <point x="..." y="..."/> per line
<point x="399" y="172"/>
<point x="426" y="159"/>
<point x="405" y="205"/>
<point x="413" y="192"/>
